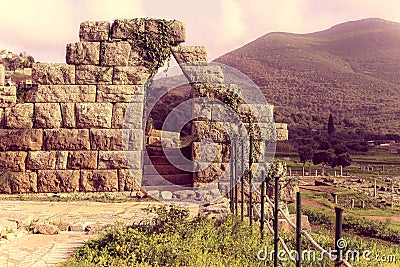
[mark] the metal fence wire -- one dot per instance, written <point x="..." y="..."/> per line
<point x="238" y="164"/>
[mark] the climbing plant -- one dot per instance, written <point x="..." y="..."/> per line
<point x="154" y="42"/>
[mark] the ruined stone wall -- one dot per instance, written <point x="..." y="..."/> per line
<point x="80" y="127"/>
<point x="70" y="131"/>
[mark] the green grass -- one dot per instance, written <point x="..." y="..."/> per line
<point x="375" y="158"/>
<point x="172" y="239"/>
<point x="106" y="197"/>
<point x="20" y="75"/>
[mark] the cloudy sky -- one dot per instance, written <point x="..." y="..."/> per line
<point x="43" y="27"/>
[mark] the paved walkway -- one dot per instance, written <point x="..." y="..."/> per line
<point x="41" y="250"/>
<point x="47" y="250"/>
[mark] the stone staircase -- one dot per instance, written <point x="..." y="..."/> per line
<point x="165" y="164"/>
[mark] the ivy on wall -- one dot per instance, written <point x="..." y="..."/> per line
<point x="154" y="43"/>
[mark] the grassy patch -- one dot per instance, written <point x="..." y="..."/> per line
<point x="172" y="239"/>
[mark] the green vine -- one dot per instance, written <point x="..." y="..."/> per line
<point x="154" y="45"/>
<point x="220" y="93"/>
<point x="233" y="100"/>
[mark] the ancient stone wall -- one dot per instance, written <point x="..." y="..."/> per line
<point x="70" y="131"/>
<point x="80" y="127"/>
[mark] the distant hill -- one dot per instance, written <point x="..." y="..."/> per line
<point x="351" y="70"/>
<point x="12" y="61"/>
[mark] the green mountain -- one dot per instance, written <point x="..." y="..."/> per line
<point x="351" y="70"/>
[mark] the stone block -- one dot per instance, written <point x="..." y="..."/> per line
<point x="214" y="172"/>
<point x="262" y="131"/>
<point x="136" y="57"/>
<point x="2" y="75"/>
<point x="258" y="113"/>
<point x="203" y="73"/>
<point x="128" y="115"/>
<point x="13" y="161"/>
<point x="22" y="139"/>
<point x="94" y="31"/>
<point x="211" y="152"/>
<point x="58" y="181"/>
<point x="117" y="139"/>
<point x="93" y="115"/>
<point x="90" y="74"/>
<point x="77" y="227"/>
<point x="178" y="30"/>
<point x="222" y="112"/>
<point x="47" y="115"/>
<point x="127" y="28"/>
<point x="53" y="73"/>
<point x="129" y="179"/>
<point x="115" y="53"/>
<point x="61" y="160"/>
<point x="41" y="160"/>
<point x="131" y="75"/>
<point x="83" y="53"/>
<point x="19" y="116"/>
<point x="5" y="182"/>
<point x="282" y="134"/>
<point x="61" y="93"/>
<point x="98" y="180"/>
<point x="67" y="139"/>
<point x="185" y="194"/>
<point x="212" y="130"/>
<point x="8" y="96"/>
<point x="106" y="139"/>
<point x="202" y="108"/>
<point x="120" y="160"/>
<point x="68" y="115"/>
<point x="153" y="193"/>
<point x="219" y="92"/>
<point x="167" y="195"/>
<point x="82" y="160"/>
<point x="24" y="182"/>
<point x="283" y="126"/>
<point x="2" y="117"/>
<point x="132" y="139"/>
<point x="45" y="229"/>
<point x="190" y="54"/>
<point x="120" y="93"/>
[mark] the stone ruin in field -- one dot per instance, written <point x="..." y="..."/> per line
<point x="72" y="132"/>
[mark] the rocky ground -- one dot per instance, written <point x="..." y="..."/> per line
<point x="60" y="227"/>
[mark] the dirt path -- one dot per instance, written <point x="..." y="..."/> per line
<point x="47" y="250"/>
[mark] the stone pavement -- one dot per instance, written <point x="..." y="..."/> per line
<point x="41" y="250"/>
<point x="46" y="250"/>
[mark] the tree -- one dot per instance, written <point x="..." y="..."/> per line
<point x="306" y="153"/>
<point x="331" y="125"/>
<point x="324" y="157"/>
<point x="324" y="145"/>
<point x="343" y="160"/>
<point x="340" y="149"/>
<point x="30" y="59"/>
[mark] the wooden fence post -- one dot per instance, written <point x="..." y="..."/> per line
<point x="339" y="243"/>
<point x="298" y="229"/>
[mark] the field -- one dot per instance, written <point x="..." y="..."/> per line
<point x="380" y="163"/>
<point x="356" y="186"/>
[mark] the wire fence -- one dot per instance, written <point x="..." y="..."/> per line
<point x="236" y="181"/>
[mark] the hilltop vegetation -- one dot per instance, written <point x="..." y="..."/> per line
<point x="13" y="61"/>
<point x="350" y="70"/>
